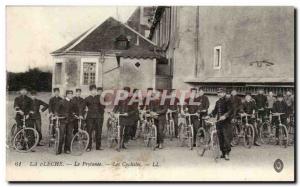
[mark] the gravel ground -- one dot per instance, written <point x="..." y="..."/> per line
<point x="141" y="163"/>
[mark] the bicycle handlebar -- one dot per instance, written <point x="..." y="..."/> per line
<point x="277" y="114"/>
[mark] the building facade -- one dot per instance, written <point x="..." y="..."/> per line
<point x="242" y="47"/>
<point x="111" y="55"/>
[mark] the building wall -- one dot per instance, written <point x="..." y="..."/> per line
<point x="141" y="77"/>
<point x="247" y="34"/>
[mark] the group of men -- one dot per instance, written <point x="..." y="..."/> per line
<point x="72" y="108"/>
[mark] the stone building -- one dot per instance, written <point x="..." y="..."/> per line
<point x="241" y="47"/>
<point x="111" y="55"/>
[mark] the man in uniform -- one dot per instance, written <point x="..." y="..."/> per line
<point x="174" y="107"/>
<point x="192" y="107"/>
<point x="289" y="100"/>
<point x="123" y="107"/>
<point x="135" y="115"/>
<point x="94" y="117"/>
<point x="36" y="116"/>
<point x="78" y="102"/>
<point x="236" y="103"/>
<point x="249" y="107"/>
<point x="23" y="105"/>
<point x="54" y="101"/>
<point x="65" y="109"/>
<point x="204" y="104"/>
<point x="223" y="111"/>
<point x="261" y="103"/>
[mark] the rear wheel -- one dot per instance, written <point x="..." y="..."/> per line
<point x="249" y="136"/>
<point x="153" y="137"/>
<point x="110" y="136"/>
<point x="201" y="137"/>
<point x="119" y="139"/>
<point x="25" y="140"/>
<point x="56" y="140"/>
<point x="79" y="143"/>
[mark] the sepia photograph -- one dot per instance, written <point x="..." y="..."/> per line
<point x="150" y="93"/>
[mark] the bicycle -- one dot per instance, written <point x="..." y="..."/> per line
<point x="243" y="131"/>
<point x="201" y="134"/>
<point x="211" y="140"/>
<point x="25" y="139"/>
<point x="265" y="128"/>
<point x="282" y="131"/>
<point x="80" y="140"/>
<point x="150" y="130"/>
<point x="185" y="129"/>
<point x="114" y="130"/>
<point x="54" y="136"/>
<point x="170" y="126"/>
<point x="140" y="127"/>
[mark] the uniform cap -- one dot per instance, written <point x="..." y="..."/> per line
<point x="126" y="88"/>
<point x="78" y="90"/>
<point x="93" y="87"/>
<point x="99" y="88"/>
<point x="69" y="92"/>
<point x="149" y="89"/>
<point x="55" y="89"/>
<point x="219" y="90"/>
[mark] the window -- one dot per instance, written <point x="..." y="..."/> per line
<point x="217" y="57"/>
<point x="89" y="73"/>
<point x="58" y="73"/>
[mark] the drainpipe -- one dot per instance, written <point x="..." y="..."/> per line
<point x="197" y="43"/>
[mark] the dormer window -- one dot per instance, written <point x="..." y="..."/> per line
<point x="122" y="42"/>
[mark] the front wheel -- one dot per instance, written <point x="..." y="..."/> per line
<point x="190" y="137"/>
<point x="153" y="137"/>
<point x="283" y="136"/>
<point x="181" y="134"/>
<point x="249" y="136"/>
<point x="201" y="138"/>
<point x="235" y="138"/>
<point x="172" y="129"/>
<point x="25" y="140"/>
<point x="79" y="143"/>
<point x="215" y="146"/>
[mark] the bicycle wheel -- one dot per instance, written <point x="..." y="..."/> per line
<point x="215" y="146"/>
<point x="201" y="137"/>
<point x="153" y="137"/>
<point x="272" y="135"/>
<point x="181" y="134"/>
<point x="235" y="138"/>
<point x="119" y="143"/>
<point x="25" y="140"/>
<point x="172" y="130"/>
<point x="13" y="132"/>
<point x="110" y="136"/>
<point x="249" y="136"/>
<point x="190" y="137"/>
<point x="167" y="130"/>
<point x="56" y="140"/>
<point x="138" y="130"/>
<point x="79" y="143"/>
<point x="283" y="136"/>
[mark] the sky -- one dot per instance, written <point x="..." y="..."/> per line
<point x="34" y="32"/>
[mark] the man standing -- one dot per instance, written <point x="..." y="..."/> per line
<point x="249" y="107"/>
<point x="23" y="105"/>
<point x="160" y="109"/>
<point x="192" y="107"/>
<point x="78" y="102"/>
<point x="280" y="106"/>
<point x="135" y="115"/>
<point x="289" y="100"/>
<point x="36" y="116"/>
<point x="65" y="109"/>
<point x="174" y="108"/>
<point x="270" y="102"/>
<point x="54" y="101"/>
<point x="204" y="104"/>
<point x="261" y="103"/>
<point x="94" y="117"/>
<point x="236" y="103"/>
<point x="123" y="107"/>
<point x="223" y="111"/>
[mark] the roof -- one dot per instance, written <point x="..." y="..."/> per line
<point x="241" y="80"/>
<point x="138" y="52"/>
<point x="102" y="37"/>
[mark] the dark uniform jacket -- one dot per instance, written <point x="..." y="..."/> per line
<point x="190" y="104"/>
<point x="95" y="108"/>
<point x="23" y="103"/>
<point x="204" y="102"/>
<point x="79" y="103"/>
<point x="249" y="107"/>
<point x="65" y="109"/>
<point x="222" y="108"/>
<point x="236" y="102"/>
<point x="280" y="107"/>
<point x="174" y="105"/>
<point x="261" y="101"/>
<point x="53" y="102"/>
<point x="36" y="108"/>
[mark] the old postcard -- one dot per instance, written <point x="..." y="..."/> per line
<point x="150" y="93"/>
